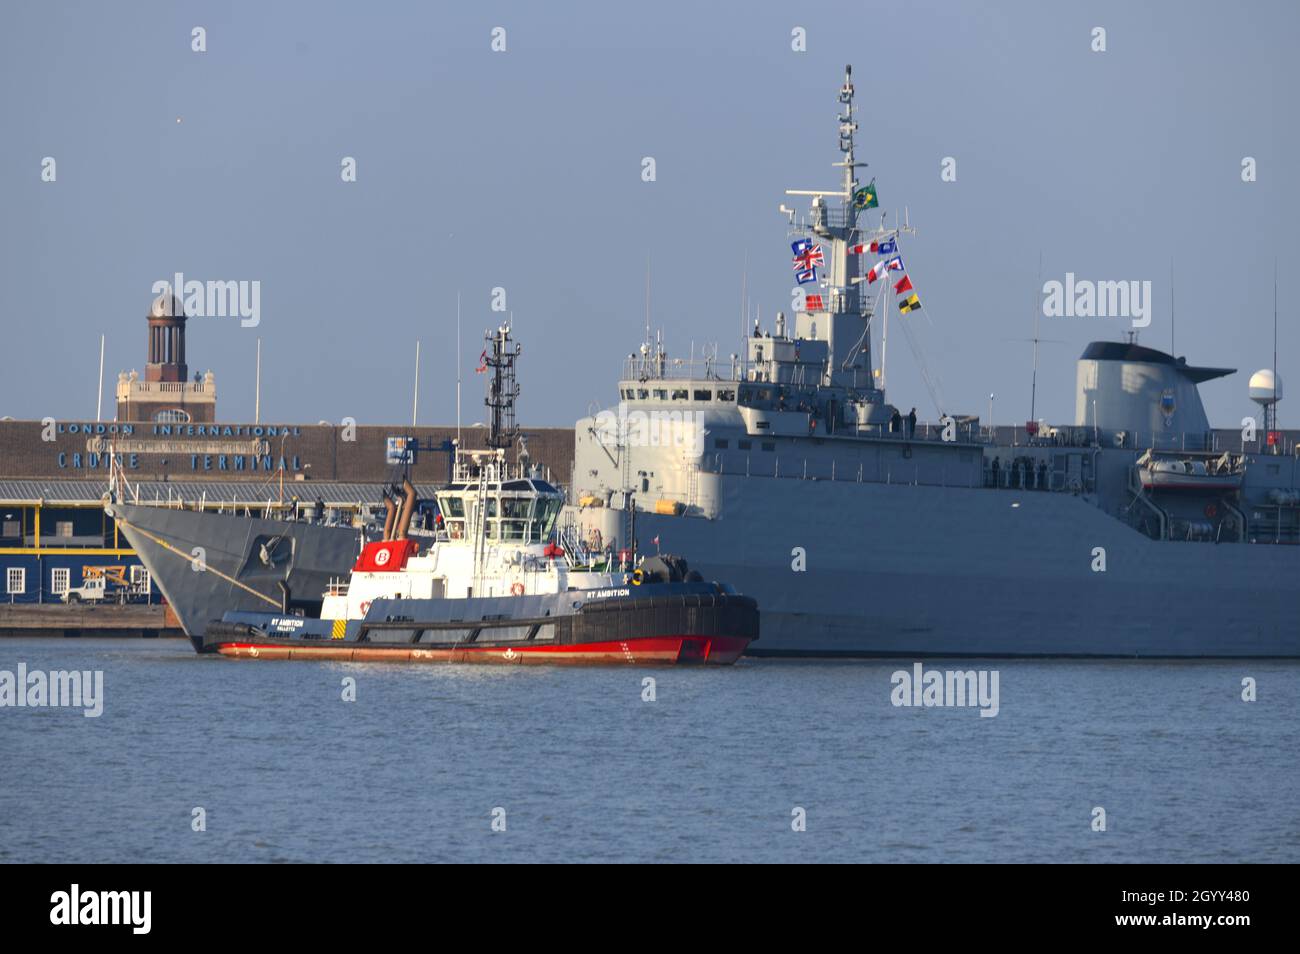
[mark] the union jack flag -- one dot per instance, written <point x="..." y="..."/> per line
<point x="807" y="259"/>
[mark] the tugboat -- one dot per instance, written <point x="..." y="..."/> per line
<point x="501" y="583"/>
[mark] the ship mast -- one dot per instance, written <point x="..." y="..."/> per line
<point x="499" y="357"/>
<point x="842" y="318"/>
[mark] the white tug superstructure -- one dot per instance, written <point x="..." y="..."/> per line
<point x="496" y="519"/>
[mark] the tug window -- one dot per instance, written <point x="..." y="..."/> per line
<point x="548" y="508"/>
<point x="727" y="395"/>
<point x="515" y="508"/>
<point x="704" y="395"/>
<point x="679" y="394"/>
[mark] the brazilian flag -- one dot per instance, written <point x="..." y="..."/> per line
<point x="865" y="198"/>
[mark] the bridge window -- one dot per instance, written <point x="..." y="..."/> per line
<point x="745" y="445"/>
<point x="548" y="508"/>
<point x="703" y="395"/>
<point x="680" y="394"/>
<point x="515" y="508"/>
<point x="726" y="394"/>
<point x="721" y="443"/>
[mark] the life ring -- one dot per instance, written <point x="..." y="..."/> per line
<point x="638" y="577"/>
<point x="1211" y="510"/>
<point x="516" y="589"/>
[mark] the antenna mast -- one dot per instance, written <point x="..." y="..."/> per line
<point x="1173" y="353"/>
<point x="502" y="353"/>
<point x="459" y="358"/>
<point x="1033" y="385"/>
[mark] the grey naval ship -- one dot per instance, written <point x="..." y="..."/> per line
<point x="1135" y="531"/>
<point x="207" y="564"/>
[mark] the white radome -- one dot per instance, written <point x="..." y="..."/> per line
<point x="1262" y="387"/>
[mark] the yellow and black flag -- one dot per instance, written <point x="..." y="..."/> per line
<point x="910" y="303"/>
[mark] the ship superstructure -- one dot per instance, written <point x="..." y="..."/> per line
<point x="1132" y="531"/>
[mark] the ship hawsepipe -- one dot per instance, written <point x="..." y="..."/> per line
<point x="704" y="623"/>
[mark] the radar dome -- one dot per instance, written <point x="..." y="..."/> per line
<point x="1263" y="389"/>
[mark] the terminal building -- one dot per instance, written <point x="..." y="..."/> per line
<point x="170" y="448"/>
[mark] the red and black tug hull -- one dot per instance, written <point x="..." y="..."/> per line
<point x="700" y="628"/>
<point x="658" y="650"/>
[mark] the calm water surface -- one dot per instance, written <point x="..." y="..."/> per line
<point x="586" y="770"/>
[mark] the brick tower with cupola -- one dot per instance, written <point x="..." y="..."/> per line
<point x="166" y="395"/>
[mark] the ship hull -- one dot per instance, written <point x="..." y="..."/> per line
<point x="664" y="651"/>
<point x="655" y="624"/>
<point x="860" y="569"/>
<point x="207" y="564"/>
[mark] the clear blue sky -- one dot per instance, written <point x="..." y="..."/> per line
<point x="522" y="169"/>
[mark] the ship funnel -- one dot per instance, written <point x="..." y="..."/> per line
<point x="390" y="517"/>
<point x="1125" y="386"/>
<point x="407" y="510"/>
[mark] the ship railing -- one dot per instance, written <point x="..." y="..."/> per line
<point x="650" y="368"/>
<point x="570" y="541"/>
<point x="336" y="587"/>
